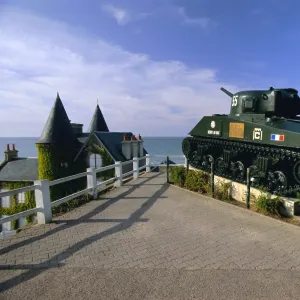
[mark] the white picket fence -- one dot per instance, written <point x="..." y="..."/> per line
<point x="41" y="188"/>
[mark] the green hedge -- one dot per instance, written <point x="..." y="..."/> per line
<point x="177" y="175"/>
<point x="267" y="205"/>
<point x="198" y="181"/>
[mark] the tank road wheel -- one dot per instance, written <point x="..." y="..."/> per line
<point x="296" y="171"/>
<point x="206" y="162"/>
<point x="186" y="147"/>
<point x="238" y="171"/>
<point x="220" y="166"/>
<point x="277" y="181"/>
<point x="195" y="159"/>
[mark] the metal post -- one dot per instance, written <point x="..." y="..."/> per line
<point x="212" y="178"/>
<point x="248" y="188"/>
<point x="168" y="169"/>
<point x="187" y="166"/>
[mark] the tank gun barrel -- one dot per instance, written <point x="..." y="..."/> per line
<point x="226" y="92"/>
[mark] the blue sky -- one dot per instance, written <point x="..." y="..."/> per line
<point x="156" y="66"/>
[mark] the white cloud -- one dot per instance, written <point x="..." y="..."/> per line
<point x="122" y="15"/>
<point x="203" y="22"/>
<point x="39" y="57"/>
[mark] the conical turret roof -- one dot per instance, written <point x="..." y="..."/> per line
<point x="58" y="129"/>
<point x="98" y="122"/>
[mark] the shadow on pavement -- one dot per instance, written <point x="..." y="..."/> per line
<point x="55" y="261"/>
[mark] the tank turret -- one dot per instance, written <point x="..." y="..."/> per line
<point x="261" y="131"/>
<point x="272" y="102"/>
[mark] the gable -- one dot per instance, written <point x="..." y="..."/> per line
<point x="20" y="169"/>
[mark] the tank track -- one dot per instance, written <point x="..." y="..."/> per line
<point x="274" y="169"/>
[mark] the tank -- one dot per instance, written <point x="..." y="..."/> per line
<point x="261" y="132"/>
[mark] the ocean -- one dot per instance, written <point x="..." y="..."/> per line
<point x="153" y="145"/>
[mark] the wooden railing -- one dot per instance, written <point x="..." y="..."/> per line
<point x="41" y="188"/>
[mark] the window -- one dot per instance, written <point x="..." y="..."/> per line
<point x="21" y="198"/>
<point x="95" y="160"/>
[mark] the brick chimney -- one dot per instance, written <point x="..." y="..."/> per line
<point x="141" y="146"/>
<point x="134" y="146"/>
<point x="126" y="147"/>
<point x="77" y="128"/>
<point x="10" y="154"/>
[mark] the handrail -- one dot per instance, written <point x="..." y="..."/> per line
<point x="18" y="190"/>
<point x="19" y="215"/>
<point x="42" y="191"/>
<point x="68" y="178"/>
<point x="102" y="169"/>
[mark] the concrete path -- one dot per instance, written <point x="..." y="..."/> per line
<point x="149" y="240"/>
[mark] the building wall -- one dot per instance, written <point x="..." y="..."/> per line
<point x="6" y="202"/>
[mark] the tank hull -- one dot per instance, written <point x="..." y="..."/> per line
<point x="270" y="147"/>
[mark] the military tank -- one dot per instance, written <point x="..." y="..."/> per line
<point x="261" y="132"/>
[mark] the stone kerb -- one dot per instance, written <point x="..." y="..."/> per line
<point x="238" y="192"/>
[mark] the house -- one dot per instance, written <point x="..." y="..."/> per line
<point x="63" y="150"/>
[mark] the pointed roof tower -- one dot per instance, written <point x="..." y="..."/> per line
<point x="58" y="129"/>
<point x="98" y="122"/>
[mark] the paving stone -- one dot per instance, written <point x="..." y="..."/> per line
<point x="182" y="231"/>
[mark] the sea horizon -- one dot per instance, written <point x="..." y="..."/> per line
<point x="155" y="145"/>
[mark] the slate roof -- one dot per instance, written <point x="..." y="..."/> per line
<point x="20" y="169"/>
<point x="98" y="122"/>
<point x="58" y="128"/>
<point x="112" y="142"/>
<point x="83" y="137"/>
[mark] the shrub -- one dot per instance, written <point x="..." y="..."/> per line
<point x="177" y="175"/>
<point x="197" y="182"/>
<point x="267" y="205"/>
<point x="222" y="191"/>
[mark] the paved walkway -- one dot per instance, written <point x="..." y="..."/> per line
<point x="149" y="240"/>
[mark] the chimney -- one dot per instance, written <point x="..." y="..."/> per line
<point x="77" y="128"/>
<point x="10" y="154"/>
<point x="134" y="146"/>
<point x="126" y="147"/>
<point x="141" y="146"/>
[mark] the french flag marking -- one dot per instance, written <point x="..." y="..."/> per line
<point x="277" y="137"/>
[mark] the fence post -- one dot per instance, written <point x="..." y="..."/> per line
<point x="92" y="181"/>
<point x="118" y="173"/>
<point x="148" y="162"/>
<point x="42" y="200"/>
<point x="135" y="165"/>
<point x="212" y="178"/>
<point x="187" y="165"/>
<point x="248" y="187"/>
<point x="168" y="169"/>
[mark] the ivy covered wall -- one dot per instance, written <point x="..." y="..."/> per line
<point x="106" y="160"/>
<point x="18" y="207"/>
<point x="55" y="162"/>
<point x="58" y="162"/>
